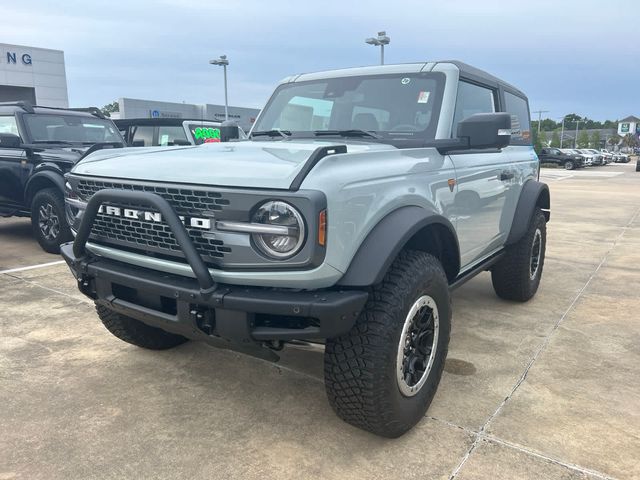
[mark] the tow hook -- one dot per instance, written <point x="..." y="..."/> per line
<point x="204" y="319"/>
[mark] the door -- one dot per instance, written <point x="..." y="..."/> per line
<point x="482" y="180"/>
<point x="12" y="169"/>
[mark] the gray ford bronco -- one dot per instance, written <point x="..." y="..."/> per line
<point x="361" y="200"/>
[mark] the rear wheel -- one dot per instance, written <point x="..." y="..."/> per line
<point x="137" y="333"/>
<point x="517" y="275"/>
<point x="48" y="220"/>
<point x="568" y="165"/>
<point x="383" y="374"/>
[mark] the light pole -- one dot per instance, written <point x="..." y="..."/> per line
<point x="562" y="134"/>
<point x="575" y="142"/>
<point x="380" y="41"/>
<point x="540" y="112"/>
<point x="224" y="62"/>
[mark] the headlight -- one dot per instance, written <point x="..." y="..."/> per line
<point x="287" y="236"/>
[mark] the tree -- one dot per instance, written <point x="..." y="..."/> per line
<point x="614" y="139"/>
<point x="583" y="139"/>
<point x="109" y="108"/>
<point x="629" y="140"/>
<point x="544" y="141"/>
<point x="538" y="144"/>
<point x="555" y="139"/>
<point x="595" y="139"/>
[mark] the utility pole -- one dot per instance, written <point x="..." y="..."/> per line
<point x="540" y="112"/>
<point x="562" y="131"/>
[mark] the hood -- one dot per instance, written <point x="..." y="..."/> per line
<point x="252" y="164"/>
<point x="65" y="154"/>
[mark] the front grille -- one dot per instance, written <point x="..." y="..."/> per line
<point x="138" y="234"/>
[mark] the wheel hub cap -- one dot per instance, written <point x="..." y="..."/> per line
<point x="417" y="346"/>
<point x="48" y="222"/>
<point x="536" y="253"/>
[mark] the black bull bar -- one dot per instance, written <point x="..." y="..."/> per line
<point x="224" y="315"/>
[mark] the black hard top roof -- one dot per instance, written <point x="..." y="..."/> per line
<point x="171" y="122"/>
<point x="475" y="74"/>
<point x="28" y="108"/>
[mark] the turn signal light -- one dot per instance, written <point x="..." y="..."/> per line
<point x="322" y="228"/>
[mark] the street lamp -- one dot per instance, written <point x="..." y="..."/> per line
<point x="575" y="142"/>
<point x="380" y="41"/>
<point x="223" y="61"/>
<point x="562" y="134"/>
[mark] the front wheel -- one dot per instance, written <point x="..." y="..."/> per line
<point x="48" y="220"/>
<point x="517" y="275"/>
<point x="383" y="374"/>
<point x="568" y="165"/>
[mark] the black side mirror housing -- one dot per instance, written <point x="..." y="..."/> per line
<point x="229" y="131"/>
<point x="486" y="130"/>
<point x="9" y="140"/>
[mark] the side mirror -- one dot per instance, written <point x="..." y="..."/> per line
<point x="9" y="140"/>
<point x="485" y="130"/>
<point x="229" y="131"/>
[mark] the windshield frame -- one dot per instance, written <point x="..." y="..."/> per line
<point x="398" y="139"/>
<point x="24" y="121"/>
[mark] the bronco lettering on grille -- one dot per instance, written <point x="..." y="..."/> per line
<point x="132" y="213"/>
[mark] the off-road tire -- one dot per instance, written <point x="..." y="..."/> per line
<point x="360" y="366"/>
<point x="137" y="333"/>
<point x="569" y="165"/>
<point x="43" y="199"/>
<point x="511" y="276"/>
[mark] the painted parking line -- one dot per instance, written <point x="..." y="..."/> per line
<point x="32" y="267"/>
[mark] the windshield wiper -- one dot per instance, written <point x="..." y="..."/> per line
<point x="273" y="133"/>
<point x="53" y="142"/>
<point x="346" y="133"/>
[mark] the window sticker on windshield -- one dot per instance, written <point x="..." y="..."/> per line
<point x="423" y="97"/>
<point x="164" y="140"/>
<point x="405" y="81"/>
<point x="206" y="134"/>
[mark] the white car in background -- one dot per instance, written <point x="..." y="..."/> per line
<point x="597" y="157"/>
<point x="588" y="160"/>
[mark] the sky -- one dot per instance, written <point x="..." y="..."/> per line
<point x="568" y="56"/>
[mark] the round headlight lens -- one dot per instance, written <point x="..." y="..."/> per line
<point x="285" y="241"/>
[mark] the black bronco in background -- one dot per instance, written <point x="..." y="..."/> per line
<point x="557" y="156"/>
<point x="38" y="145"/>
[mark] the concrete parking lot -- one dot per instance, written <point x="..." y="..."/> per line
<point x="548" y="389"/>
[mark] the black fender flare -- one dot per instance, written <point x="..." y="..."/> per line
<point x="51" y="176"/>
<point x="385" y="241"/>
<point x="534" y="194"/>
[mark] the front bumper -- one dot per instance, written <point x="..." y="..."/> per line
<point x="199" y="308"/>
<point x="242" y="315"/>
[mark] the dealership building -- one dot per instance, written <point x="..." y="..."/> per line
<point x="136" y="108"/>
<point x="35" y="75"/>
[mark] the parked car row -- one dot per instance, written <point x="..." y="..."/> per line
<point x="572" y="158"/>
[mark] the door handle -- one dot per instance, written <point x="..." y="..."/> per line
<point x="506" y="175"/>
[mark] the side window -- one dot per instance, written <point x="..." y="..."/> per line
<point x="143" y="137"/>
<point x="8" y="125"/>
<point x="168" y="135"/>
<point x="472" y="99"/>
<point x="520" y="122"/>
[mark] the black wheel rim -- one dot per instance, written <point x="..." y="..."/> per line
<point x="48" y="221"/>
<point x="536" y="254"/>
<point x="417" y="346"/>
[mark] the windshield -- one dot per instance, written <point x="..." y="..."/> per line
<point x="70" y="129"/>
<point x="392" y="107"/>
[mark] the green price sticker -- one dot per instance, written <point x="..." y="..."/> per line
<point x="206" y="133"/>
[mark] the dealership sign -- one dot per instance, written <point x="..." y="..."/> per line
<point x="15" y="57"/>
